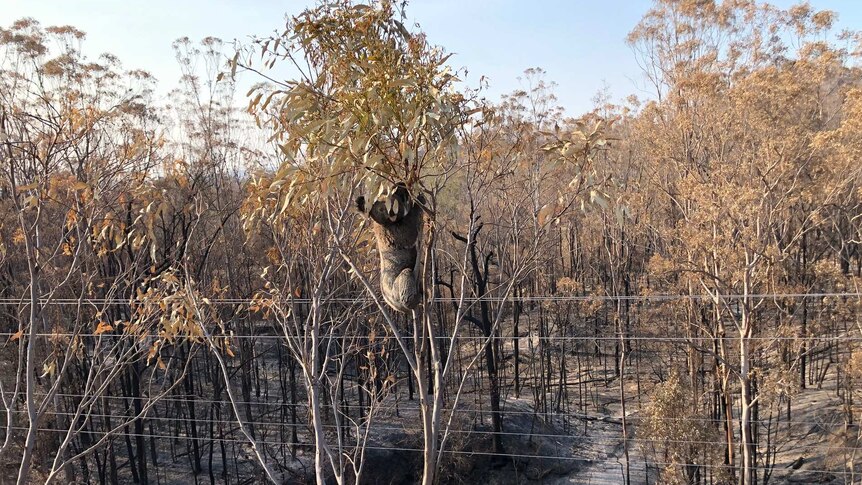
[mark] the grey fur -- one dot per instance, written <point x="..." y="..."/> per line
<point x="397" y="222"/>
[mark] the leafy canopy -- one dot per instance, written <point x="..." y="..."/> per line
<point x="370" y="101"/>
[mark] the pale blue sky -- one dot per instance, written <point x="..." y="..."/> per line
<point x="580" y="43"/>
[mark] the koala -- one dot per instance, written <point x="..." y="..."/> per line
<point x="397" y="223"/>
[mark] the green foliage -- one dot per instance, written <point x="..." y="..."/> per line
<point x="373" y="102"/>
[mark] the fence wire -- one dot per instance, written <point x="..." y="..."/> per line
<point x="167" y="412"/>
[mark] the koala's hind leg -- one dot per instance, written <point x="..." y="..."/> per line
<point x="402" y="293"/>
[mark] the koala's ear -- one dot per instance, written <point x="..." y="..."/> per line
<point x="359" y="204"/>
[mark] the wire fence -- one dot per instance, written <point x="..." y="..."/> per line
<point x="569" y="396"/>
<point x="402" y="407"/>
<point x="471" y="299"/>
<point x="452" y="452"/>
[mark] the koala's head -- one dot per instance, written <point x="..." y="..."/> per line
<point x="388" y="208"/>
